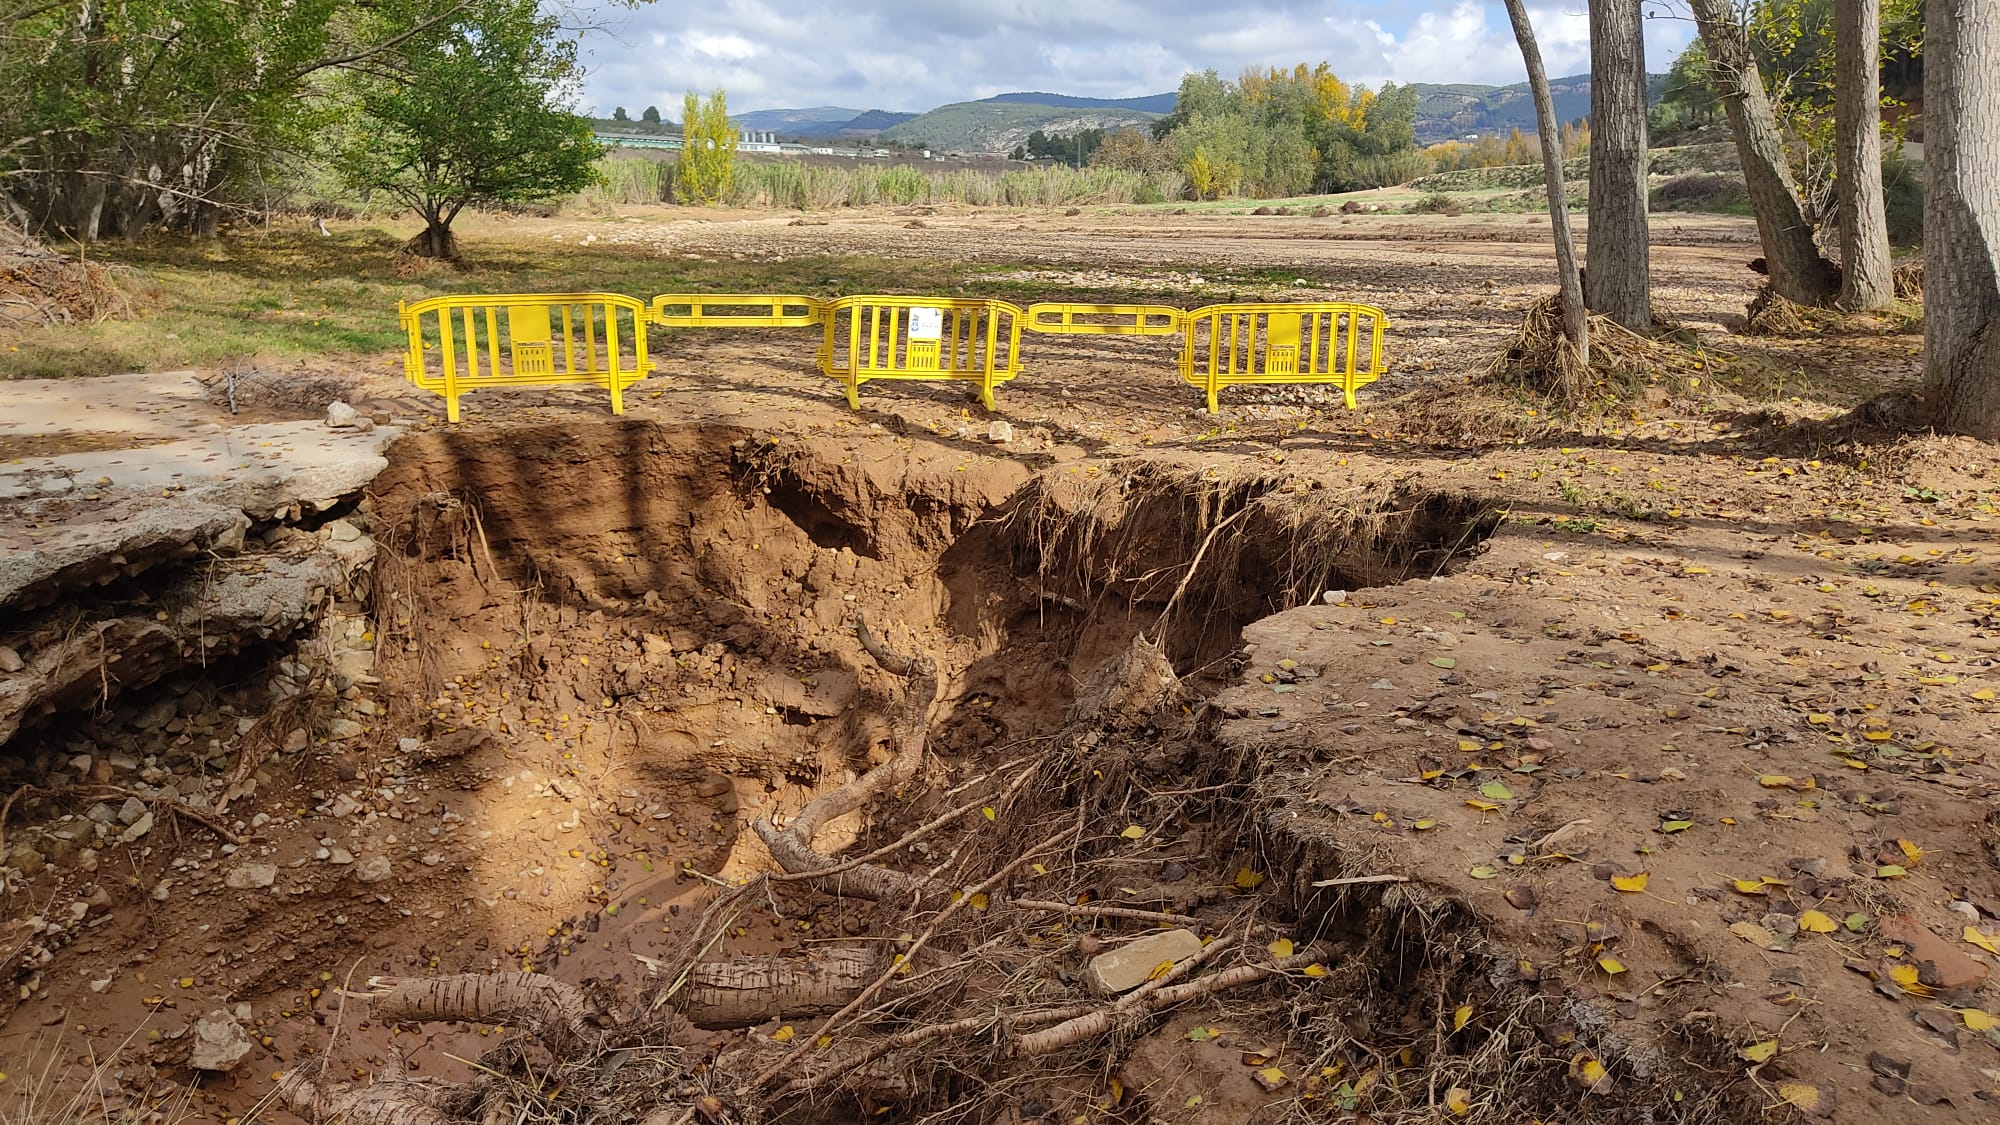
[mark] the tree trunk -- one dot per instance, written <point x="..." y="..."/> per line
<point x="1865" y="281"/>
<point x="434" y="241"/>
<point x="1618" y="269"/>
<point x="1962" y="214"/>
<point x="1576" y="324"/>
<point x="1798" y="271"/>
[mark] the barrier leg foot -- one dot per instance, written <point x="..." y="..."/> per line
<point x="986" y="398"/>
<point x="451" y="408"/>
<point x="854" y="396"/>
<point x="1350" y="400"/>
<point x="617" y="397"/>
<point x="1213" y="407"/>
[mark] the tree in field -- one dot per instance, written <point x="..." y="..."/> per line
<point x="1517" y="148"/>
<point x="1688" y="98"/>
<point x="1962" y="214"/>
<point x="1865" y="281"/>
<point x="476" y="113"/>
<point x="651" y="116"/>
<point x="1576" y="321"/>
<point x="619" y="114"/>
<point x="708" y="148"/>
<point x="1797" y="270"/>
<point x="1617" y="275"/>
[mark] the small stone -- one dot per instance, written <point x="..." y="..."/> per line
<point x="157" y="715"/>
<point x="409" y="745"/>
<point x="1383" y="685"/>
<point x="341" y="416"/>
<point x="1000" y="432"/>
<point x="374" y="869"/>
<point x="27" y="860"/>
<point x="340" y="531"/>
<point x="10" y="661"/>
<point x="295" y="740"/>
<point x="137" y="831"/>
<point x="251" y="875"/>
<point x="341" y="730"/>
<point x="131" y="811"/>
<point x="162" y="889"/>
<point x="340" y="857"/>
<point x="219" y="1042"/>
<point x="1128" y="966"/>
<point x="712" y="785"/>
<point x="1954" y="968"/>
<point x="344" y="806"/>
<point x="102" y="813"/>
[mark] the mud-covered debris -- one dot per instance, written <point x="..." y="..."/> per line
<point x="219" y="1042"/>
<point x="1131" y="965"/>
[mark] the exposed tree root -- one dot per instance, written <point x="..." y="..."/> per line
<point x="792" y="846"/>
<point x="553" y="1012"/>
<point x="748" y="990"/>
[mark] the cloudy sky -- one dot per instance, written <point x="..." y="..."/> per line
<point x="913" y="54"/>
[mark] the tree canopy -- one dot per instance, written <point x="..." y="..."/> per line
<point x="1285" y="132"/>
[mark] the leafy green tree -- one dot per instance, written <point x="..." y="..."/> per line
<point x="708" y="149"/>
<point x="619" y="114"/>
<point x="476" y="112"/>
<point x="651" y="116"/>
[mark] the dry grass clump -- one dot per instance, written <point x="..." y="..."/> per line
<point x="1908" y="280"/>
<point x="1771" y="314"/>
<point x="41" y="286"/>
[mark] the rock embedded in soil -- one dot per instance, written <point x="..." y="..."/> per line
<point x="219" y="1042"/>
<point x="251" y="875"/>
<point x="374" y="869"/>
<point x="1128" y="966"/>
<point x="1955" y="969"/>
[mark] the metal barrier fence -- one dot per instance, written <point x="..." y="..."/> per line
<point x="874" y="337"/>
<point x="1234" y="345"/>
<point x="927" y="338"/>
<point x="544" y="340"/>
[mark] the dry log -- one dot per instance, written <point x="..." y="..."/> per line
<point x="555" y="1013"/>
<point x="745" y="991"/>
<point x="393" y="1102"/>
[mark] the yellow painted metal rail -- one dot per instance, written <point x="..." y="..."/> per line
<point x="465" y="343"/>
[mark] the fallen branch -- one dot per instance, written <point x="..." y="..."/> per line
<point x="1092" y="910"/>
<point x="1358" y="880"/>
<point x="908" y="838"/>
<point x="1163" y="993"/>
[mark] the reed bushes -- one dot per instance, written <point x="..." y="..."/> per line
<point x="626" y="179"/>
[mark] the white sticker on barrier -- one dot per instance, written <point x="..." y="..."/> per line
<point x="926" y="324"/>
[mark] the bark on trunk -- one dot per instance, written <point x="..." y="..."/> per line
<point x="1865" y="281"/>
<point x="1617" y="275"/>
<point x="748" y="990"/>
<point x="1576" y="322"/>
<point x="1962" y="214"/>
<point x="434" y="241"/>
<point x="1798" y="271"/>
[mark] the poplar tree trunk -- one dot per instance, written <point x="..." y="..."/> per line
<point x="1962" y="214"/>
<point x="1617" y="273"/>
<point x="1865" y="281"/>
<point x="1798" y="271"/>
<point x="1576" y="322"/>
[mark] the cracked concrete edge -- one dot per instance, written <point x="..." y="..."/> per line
<point x="209" y="615"/>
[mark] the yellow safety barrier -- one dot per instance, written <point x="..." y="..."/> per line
<point x="1330" y="342"/>
<point x="921" y="338"/>
<point x="1105" y="320"/>
<point x="548" y="339"/>
<point x="736" y="310"/>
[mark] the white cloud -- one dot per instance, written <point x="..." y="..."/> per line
<point x="916" y="54"/>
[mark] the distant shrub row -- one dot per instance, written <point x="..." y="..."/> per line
<point x="811" y="187"/>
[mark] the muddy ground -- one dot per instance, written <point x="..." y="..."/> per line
<point x="1635" y="770"/>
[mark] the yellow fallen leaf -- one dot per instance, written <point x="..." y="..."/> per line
<point x="987" y="812"/>
<point x="1985" y="695"/>
<point x="1314" y="970"/>
<point x="1482" y="806"/>
<point x="1611" y="964"/>
<point x="1820" y="719"/>
<point x="1753" y="933"/>
<point x="1458" y="1100"/>
<point x="1281" y="948"/>
<point x="1775" y="781"/>
<point x="1590" y="1072"/>
<point x="1809" y="1100"/>
<point x="1760" y="1052"/>
<point x="1425" y="824"/>
<point x="1872" y="736"/>
<point x="980" y="901"/>
<point x="1248" y="880"/>
<point x="1461" y="1017"/>
<point x="1631" y="884"/>
<point x="1133" y="832"/>
<point x="1814" y="921"/>
<point x="1978" y="1020"/>
<point x="1981" y="939"/>
<point x="1911" y="851"/>
<point x="1160" y="970"/>
<point x="783" y="1034"/>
